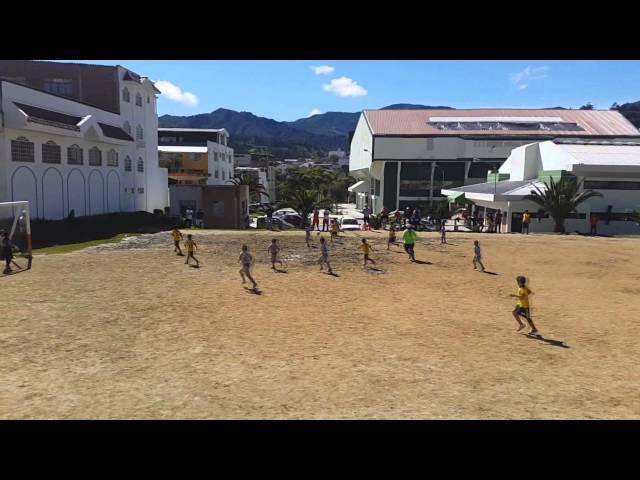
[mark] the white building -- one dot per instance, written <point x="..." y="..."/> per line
<point x="611" y="168"/>
<point x="184" y="151"/>
<point x="405" y="157"/>
<point x="267" y="181"/>
<point x="64" y="155"/>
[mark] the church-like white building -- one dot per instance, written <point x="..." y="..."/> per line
<point x="81" y="138"/>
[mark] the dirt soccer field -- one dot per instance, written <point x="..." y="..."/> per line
<point x="135" y="333"/>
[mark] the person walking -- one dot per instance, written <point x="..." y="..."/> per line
<point x="325" y="220"/>
<point x="498" y="221"/>
<point x="594" y="224"/>
<point x="366" y="213"/>
<point x="526" y="219"/>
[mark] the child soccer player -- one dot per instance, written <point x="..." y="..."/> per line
<point x="443" y="233"/>
<point x="392" y="236"/>
<point x="274" y="249"/>
<point x="477" y="256"/>
<point x="334" y="230"/>
<point x="366" y="249"/>
<point x="191" y="246"/>
<point x="246" y="260"/>
<point x="522" y="305"/>
<point x="177" y="236"/>
<point x="324" y="255"/>
<point x="307" y="235"/>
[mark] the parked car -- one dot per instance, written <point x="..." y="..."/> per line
<point x="349" y="224"/>
<point x="285" y="211"/>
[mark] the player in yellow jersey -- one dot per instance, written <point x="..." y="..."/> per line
<point x="522" y="306"/>
<point x="177" y="236"/>
<point x="191" y="246"/>
<point x="334" y="230"/>
<point x="366" y="249"/>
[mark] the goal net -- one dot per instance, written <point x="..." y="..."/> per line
<point x="16" y="223"/>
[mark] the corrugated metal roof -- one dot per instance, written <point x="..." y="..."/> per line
<point x="500" y="188"/>
<point x="416" y="122"/>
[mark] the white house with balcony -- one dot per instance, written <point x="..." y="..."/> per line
<point x="64" y="155"/>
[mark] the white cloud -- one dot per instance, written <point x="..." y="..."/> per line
<point x="522" y="78"/>
<point x="175" y="93"/>
<point x="323" y="70"/>
<point x="315" y="111"/>
<point x="345" y="87"/>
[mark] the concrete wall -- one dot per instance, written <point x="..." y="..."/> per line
<point x="224" y="206"/>
<point x="362" y="139"/>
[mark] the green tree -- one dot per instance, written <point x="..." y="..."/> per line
<point x="588" y="106"/>
<point x="304" y="201"/>
<point x="560" y="199"/>
<point x="256" y="189"/>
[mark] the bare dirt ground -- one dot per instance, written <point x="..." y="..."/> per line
<point x="134" y="333"/>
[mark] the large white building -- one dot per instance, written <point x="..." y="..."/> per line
<point x="406" y="157"/>
<point x="611" y="168"/>
<point x="63" y="154"/>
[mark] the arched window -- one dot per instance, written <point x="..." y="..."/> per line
<point x="74" y="155"/>
<point x="127" y="127"/>
<point x="127" y="164"/>
<point x="138" y="99"/>
<point x="126" y="96"/>
<point x="95" y="157"/>
<point x="22" y="150"/>
<point x="148" y="99"/>
<point x="222" y="174"/>
<point x="140" y="164"/>
<point x="112" y="158"/>
<point x="139" y="133"/>
<point x="51" y="152"/>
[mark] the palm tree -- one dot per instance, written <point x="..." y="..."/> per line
<point x="256" y="189"/>
<point x="560" y="199"/>
<point x="304" y="201"/>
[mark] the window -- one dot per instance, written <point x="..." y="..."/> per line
<point x="230" y="174"/>
<point x="58" y="86"/>
<point x="127" y="164"/>
<point x="222" y="174"/>
<point x="51" y="153"/>
<point x="148" y="99"/>
<point x="112" y="158"/>
<point x="139" y="133"/>
<point x="415" y="179"/>
<point x="138" y="99"/>
<point x="95" y="157"/>
<point x="140" y="190"/>
<point x="127" y="127"/>
<point x="22" y="150"/>
<point x="140" y="165"/>
<point x="216" y="174"/>
<point x="215" y="156"/>
<point x="126" y="96"/>
<point x="229" y="158"/>
<point x="125" y="189"/>
<point x="610" y="185"/>
<point x="74" y="155"/>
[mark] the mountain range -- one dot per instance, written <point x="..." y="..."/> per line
<point x="306" y="137"/>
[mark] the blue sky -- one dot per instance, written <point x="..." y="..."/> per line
<point x="288" y="90"/>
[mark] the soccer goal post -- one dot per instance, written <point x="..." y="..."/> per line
<point x="16" y="222"/>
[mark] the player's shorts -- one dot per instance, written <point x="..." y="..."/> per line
<point x="521" y="311"/>
<point x="176" y="243"/>
<point x="408" y="247"/>
<point x="274" y="258"/>
<point x="246" y="268"/>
